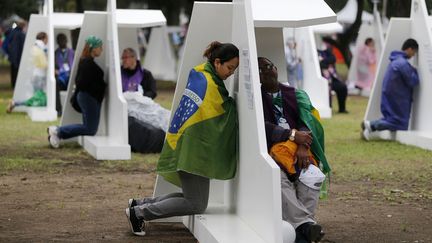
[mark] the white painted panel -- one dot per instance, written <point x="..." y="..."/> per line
<point x="349" y="11"/>
<point x="117" y="120"/>
<point x="111" y="140"/>
<point x="372" y="30"/>
<point x="67" y="20"/>
<point x="198" y="38"/>
<point x="330" y="28"/>
<point x="160" y="58"/>
<point x="128" y="37"/>
<point x="270" y="44"/>
<point x="418" y="26"/>
<point x="421" y="117"/>
<point x="398" y="32"/>
<point x="253" y="194"/>
<point x="140" y="18"/>
<point x="50" y="109"/>
<point x="291" y="13"/>
<point x="94" y="23"/>
<point x="313" y="83"/>
<point x="23" y="88"/>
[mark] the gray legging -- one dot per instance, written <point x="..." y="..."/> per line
<point x="193" y="200"/>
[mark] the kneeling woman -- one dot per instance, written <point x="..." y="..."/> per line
<point x="90" y="88"/>
<point x="200" y="142"/>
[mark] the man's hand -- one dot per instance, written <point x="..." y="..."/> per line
<point x="302" y="156"/>
<point x="303" y="138"/>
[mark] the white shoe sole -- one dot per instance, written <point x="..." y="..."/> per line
<point x="366" y="134"/>
<point x="142" y="233"/>
<point x="367" y="126"/>
<point x="52" y="131"/>
<point x="54" y="141"/>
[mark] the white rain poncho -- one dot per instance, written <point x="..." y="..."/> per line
<point x="145" y="109"/>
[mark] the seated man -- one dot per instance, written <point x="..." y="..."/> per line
<point x="147" y="119"/>
<point x="293" y="132"/>
<point x="397" y="92"/>
<point x="135" y="78"/>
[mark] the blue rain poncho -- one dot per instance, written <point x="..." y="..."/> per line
<point x="397" y="91"/>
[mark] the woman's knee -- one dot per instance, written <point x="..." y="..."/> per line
<point x="92" y="131"/>
<point x="199" y="206"/>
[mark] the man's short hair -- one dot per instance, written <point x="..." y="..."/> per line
<point x="410" y="43"/>
<point x="61" y="37"/>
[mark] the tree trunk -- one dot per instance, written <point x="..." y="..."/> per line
<point x="399" y="8"/>
<point x="344" y="39"/>
<point x="79" y="6"/>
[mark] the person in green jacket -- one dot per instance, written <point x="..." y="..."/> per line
<point x="201" y="142"/>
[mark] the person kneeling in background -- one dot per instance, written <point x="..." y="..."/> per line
<point x="90" y="88"/>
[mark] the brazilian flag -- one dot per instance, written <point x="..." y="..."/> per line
<point x="310" y="117"/>
<point x="203" y="135"/>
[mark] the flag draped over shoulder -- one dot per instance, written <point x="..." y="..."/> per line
<point x="203" y="135"/>
<point x="310" y="117"/>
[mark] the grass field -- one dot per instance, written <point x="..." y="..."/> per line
<point x="24" y="145"/>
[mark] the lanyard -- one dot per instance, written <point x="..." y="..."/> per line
<point x="278" y="110"/>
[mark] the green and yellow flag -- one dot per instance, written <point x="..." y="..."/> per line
<point x="310" y="117"/>
<point x="203" y="135"/>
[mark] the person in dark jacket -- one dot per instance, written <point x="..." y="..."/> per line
<point x="328" y="70"/>
<point x="63" y="64"/>
<point x="398" y="86"/>
<point x="14" y="49"/>
<point x="284" y="123"/>
<point x="134" y="77"/>
<point x="90" y="86"/>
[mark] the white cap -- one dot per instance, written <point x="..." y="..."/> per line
<point x="312" y="177"/>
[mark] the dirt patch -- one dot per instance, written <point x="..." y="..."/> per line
<point x="79" y="206"/>
<point x="85" y="204"/>
<point x="355" y="212"/>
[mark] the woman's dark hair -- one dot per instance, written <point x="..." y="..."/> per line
<point x="223" y="51"/>
<point x="86" y="52"/>
<point x="368" y="40"/>
<point x="410" y="43"/>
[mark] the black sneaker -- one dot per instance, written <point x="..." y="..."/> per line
<point x="132" y="203"/>
<point x="311" y="231"/>
<point x="137" y="225"/>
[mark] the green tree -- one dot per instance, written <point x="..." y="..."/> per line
<point x="22" y="8"/>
